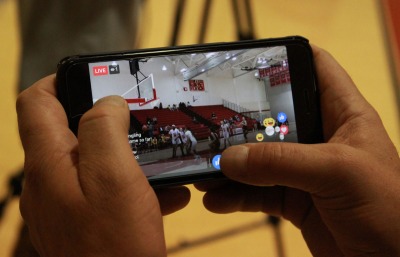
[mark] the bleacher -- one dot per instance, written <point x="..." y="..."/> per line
<point x="180" y="119"/>
<point x="220" y="111"/>
<point x="167" y="117"/>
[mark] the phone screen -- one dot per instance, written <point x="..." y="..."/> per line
<point x="185" y="109"/>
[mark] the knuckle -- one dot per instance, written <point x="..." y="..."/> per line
<point x="271" y="155"/>
<point x="21" y="99"/>
<point x="24" y="206"/>
<point x="104" y="116"/>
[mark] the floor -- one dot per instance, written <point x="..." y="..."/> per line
<point x="351" y="31"/>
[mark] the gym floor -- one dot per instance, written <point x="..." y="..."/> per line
<point x="353" y="32"/>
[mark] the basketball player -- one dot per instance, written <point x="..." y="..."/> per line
<point x="225" y="133"/>
<point x="184" y="139"/>
<point x="245" y="129"/>
<point x="191" y="143"/>
<point x="215" y="143"/>
<point x="176" y="140"/>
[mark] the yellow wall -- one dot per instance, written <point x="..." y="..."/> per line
<point x="11" y="155"/>
<point x="350" y="30"/>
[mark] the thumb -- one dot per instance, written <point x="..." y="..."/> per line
<point x="299" y="166"/>
<point x="105" y="157"/>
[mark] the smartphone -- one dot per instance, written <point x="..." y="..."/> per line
<point x="189" y="103"/>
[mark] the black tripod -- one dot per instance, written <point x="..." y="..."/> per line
<point x="272" y="221"/>
<point x="14" y="189"/>
<point x="242" y="13"/>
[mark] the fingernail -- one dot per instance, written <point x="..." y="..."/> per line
<point x="113" y="100"/>
<point x="234" y="159"/>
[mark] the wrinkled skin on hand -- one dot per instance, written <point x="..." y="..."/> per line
<point x="344" y="194"/>
<point x="86" y="195"/>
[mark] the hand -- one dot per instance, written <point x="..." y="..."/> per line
<point x="344" y="194"/>
<point x="87" y="196"/>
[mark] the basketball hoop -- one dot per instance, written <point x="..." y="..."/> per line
<point x="142" y="93"/>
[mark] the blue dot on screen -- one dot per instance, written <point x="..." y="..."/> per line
<point x="215" y="162"/>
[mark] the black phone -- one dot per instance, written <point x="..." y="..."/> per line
<point x="189" y="103"/>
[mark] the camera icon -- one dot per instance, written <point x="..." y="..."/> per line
<point x="114" y="69"/>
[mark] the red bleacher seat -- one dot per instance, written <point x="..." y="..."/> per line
<point x="220" y="111"/>
<point x="167" y="117"/>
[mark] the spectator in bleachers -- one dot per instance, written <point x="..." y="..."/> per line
<point x="150" y="127"/>
<point x="154" y="143"/>
<point x="163" y="141"/>
<point x="213" y="116"/>
<point x="145" y="130"/>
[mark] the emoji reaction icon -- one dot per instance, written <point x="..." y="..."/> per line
<point x="284" y="129"/>
<point x="270" y="131"/>
<point x="269" y="122"/>
<point x="281" y="136"/>
<point x="277" y="129"/>
<point x="259" y="137"/>
<point x="282" y="117"/>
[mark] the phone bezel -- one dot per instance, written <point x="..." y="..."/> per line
<point x="74" y="89"/>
